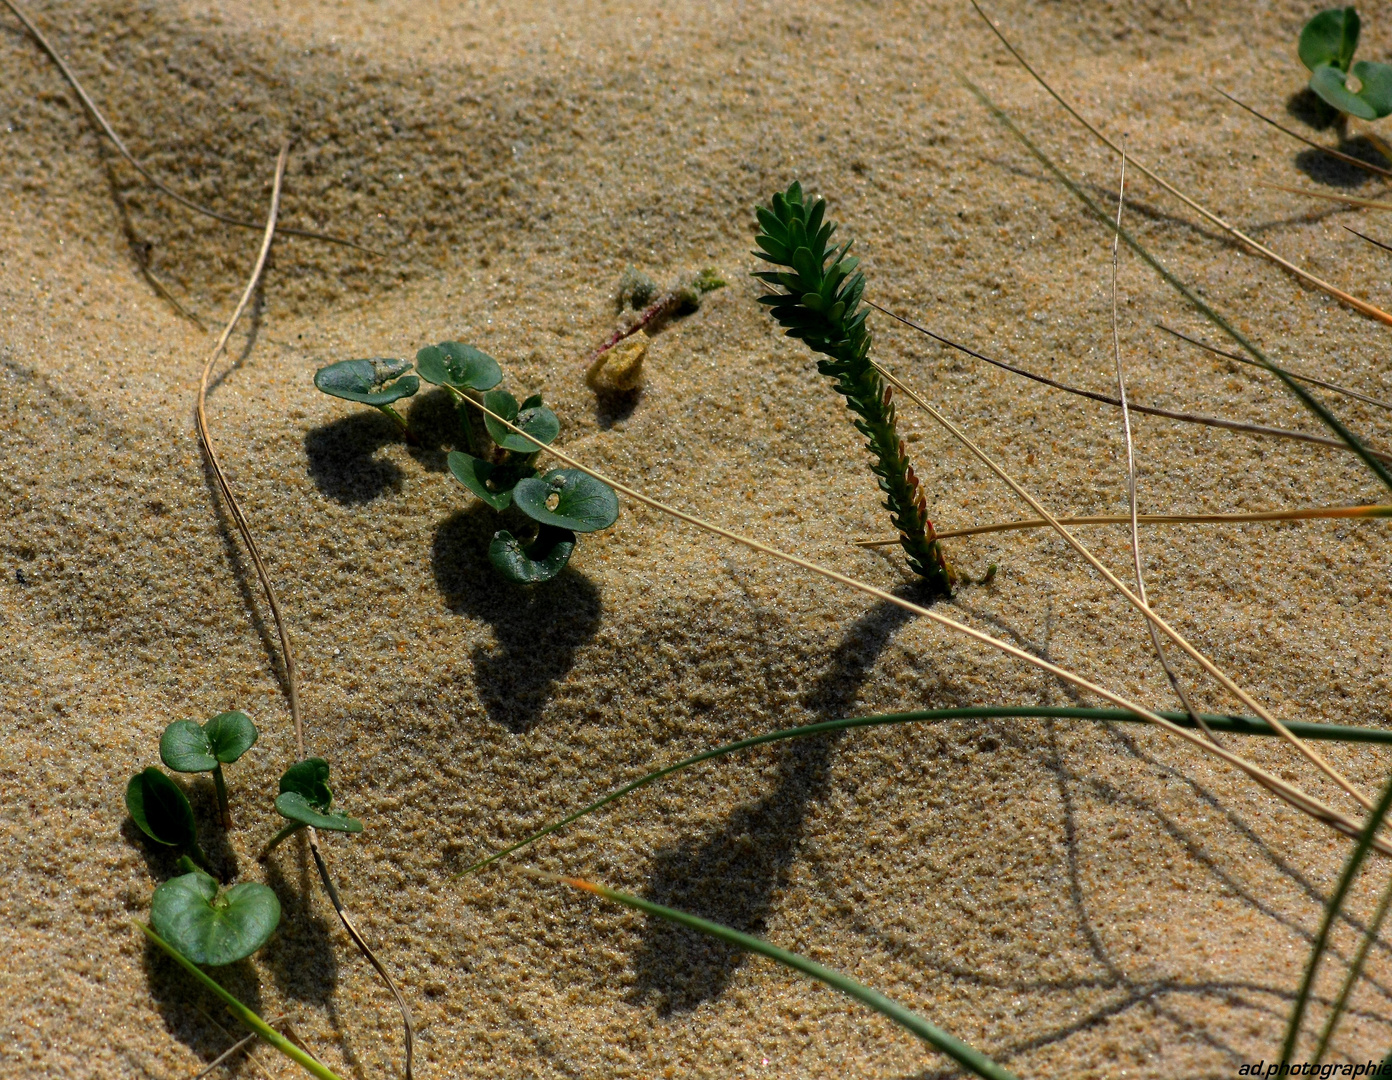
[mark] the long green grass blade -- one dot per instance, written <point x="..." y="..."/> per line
<point x="966" y="1056"/>
<point x="1305" y="397"/>
<point x="1331" y="912"/>
<point x="1238" y="725"/>
<point x="1354" y="971"/>
<point x="242" y="1013"/>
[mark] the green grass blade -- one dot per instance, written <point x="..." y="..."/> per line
<point x="1305" y="397"/>
<point x="1331" y="912"/>
<point x="1238" y="725"/>
<point x="1355" y="969"/>
<point x="966" y="1056"/>
<point x="242" y="1013"/>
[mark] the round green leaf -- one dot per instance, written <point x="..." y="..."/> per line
<point x="231" y="734"/>
<point x="210" y="928"/>
<point x="1329" y="38"/>
<point x="542" y="560"/>
<point x="160" y="809"/>
<point x="1328" y="83"/>
<point x="296" y="807"/>
<point x="461" y="366"/>
<point x="185" y="747"/>
<point x="533" y="417"/>
<point x="310" y="780"/>
<point x="582" y="503"/>
<point x="1377" y="85"/>
<point x="373" y="382"/>
<point x="477" y="475"/>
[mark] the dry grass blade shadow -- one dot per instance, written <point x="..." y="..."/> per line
<point x="1349" y="159"/>
<point x="1199" y="658"/>
<point x="1149" y="410"/>
<point x="1373" y="460"/>
<point x="967" y="1056"/>
<point x="1238" y="725"/>
<point x="1290" y="793"/>
<point x="287" y="648"/>
<point x="1312" y="513"/>
<point x="100" y="120"/>
<point x="235" y="1048"/>
<point x="1333" y="290"/>
<point x="1155" y="641"/>
<point x="1335" y="387"/>
<point x="1331" y="912"/>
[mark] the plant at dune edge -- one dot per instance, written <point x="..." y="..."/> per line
<point x="1326" y="47"/>
<point x="500" y="471"/>
<point x="820" y="303"/>
<point x="193" y="919"/>
<point x="189" y="747"/>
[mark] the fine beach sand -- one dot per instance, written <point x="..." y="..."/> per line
<point x="1075" y="900"/>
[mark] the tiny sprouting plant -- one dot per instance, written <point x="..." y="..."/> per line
<point x="189" y="747"/>
<point x="162" y="812"/>
<point x="1327" y="44"/>
<point x="305" y="798"/>
<point x="820" y="302"/>
<point x="496" y="464"/>
<point x="643" y="307"/>
<point x="209" y="925"/>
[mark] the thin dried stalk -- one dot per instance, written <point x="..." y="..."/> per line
<point x="1313" y="513"/>
<point x="1107" y="399"/>
<point x="1288" y="792"/>
<point x="292" y="679"/>
<point x="1239" y="358"/>
<point x="1359" y="163"/>
<point x="1333" y="290"/>
<point x="110" y="132"/>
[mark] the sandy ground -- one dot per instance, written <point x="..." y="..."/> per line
<point x="1075" y="900"/>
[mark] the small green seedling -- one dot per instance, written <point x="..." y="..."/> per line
<point x="210" y="926"/>
<point x="305" y="799"/>
<point x="187" y="747"/>
<point x="378" y="383"/>
<point x="1326" y="47"/>
<point x="162" y="812"/>
<point x="562" y="502"/>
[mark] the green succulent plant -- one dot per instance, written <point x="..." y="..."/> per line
<point x="817" y="298"/>
<point x="503" y="475"/>
<point x="189" y="747"/>
<point x="1326" y="47"/>
<point x="305" y="798"/>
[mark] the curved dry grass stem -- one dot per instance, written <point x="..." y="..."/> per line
<point x="292" y="678"/>
<point x="1165" y="628"/>
<point x="1339" y="294"/>
<point x="1107" y="399"/>
<point x="1312" y="513"/>
<point x="100" y="120"/>
<point x="1238" y="358"/>
<point x="1349" y="200"/>
<point x="1288" y="792"/>
<point x="1155" y="641"/>
<point x="1359" y="163"/>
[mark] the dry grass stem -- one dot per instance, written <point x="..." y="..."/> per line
<point x="1288" y="792"/>
<point x="1350" y="200"/>
<point x="100" y="120"/>
<point x="1366" y="166"/>
<point x="292" y="683"/>
<point x="1311" y="513"/>
<point x="1107" y="399"/>
<point x="1232" y="687"/>
<point x="1333" y="290"/>
<point x="1239" y="358"/>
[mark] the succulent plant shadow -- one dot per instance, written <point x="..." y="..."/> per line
<point x="179" y="999"/>
<point x="538" y="629"/>
<point x="731" y="875"/>
<point x="301" y="955"/>
<point x="1331" y="172"/>
<point x="1309" y="108"/>
<point x="434" y="420"/>
<point x="342" y="461"/>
